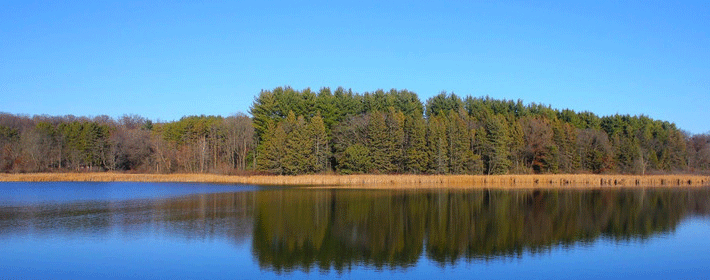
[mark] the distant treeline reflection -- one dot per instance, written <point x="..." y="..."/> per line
<point x="324" y="229"/>
<point x="202" y="216"/>
<point x="338" y="229"/>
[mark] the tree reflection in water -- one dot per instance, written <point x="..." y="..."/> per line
<point x="335" y="228"/>
<point x="324" y="229"/>
<point x="201" y="216"/>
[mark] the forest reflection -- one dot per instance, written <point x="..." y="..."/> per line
<point x="201" y="216"/>
<point x="307" y="229"/>
<point x="301" y="230"/>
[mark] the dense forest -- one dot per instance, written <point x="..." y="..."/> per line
<point x="383" y="132"/>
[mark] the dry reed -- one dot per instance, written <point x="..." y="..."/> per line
<point x="385" y="181"/>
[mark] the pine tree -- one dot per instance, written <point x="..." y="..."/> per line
<point x="395" y="140"/>
<point x="271" y="150"/>
<point x="378" y="143"/>
<point x="496" y="150"/>
<point x="326" y="108"/>
<point x="461" y="157"/>
<point x="437" y="141"/>
<point x="416" y="157"/>
<point x="264" y="112"/>
<point x="356" y="159"/>
<point x="298" y="157"/>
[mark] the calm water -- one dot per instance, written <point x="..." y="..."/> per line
<point x="203" y="231"/>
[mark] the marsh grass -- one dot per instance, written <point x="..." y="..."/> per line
<point x="384" y="181"/>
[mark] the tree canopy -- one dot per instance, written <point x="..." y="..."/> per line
<point x="382" y="132"/>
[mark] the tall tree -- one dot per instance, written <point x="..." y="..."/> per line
<point x="565" y="138"/>
<point x="264" y="112"/>
<point x="355" y="159"/>
<point x="540" y="150"/>
<point x="320" y="148"/>
<point x="271" y="151"/>
<point x="396" y="137"/>
<point x="496" y="152"/>
<point x="416" y="156"/>
<point x="239" y="141"/>
<point x="9" y="148"/>
<point x="298" y="155"/>
<point x="379" y="143"/>
<point x="595" y="150"/>
<point x="437" y="141"/>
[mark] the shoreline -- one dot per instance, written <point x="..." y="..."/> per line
<point x="383" y="181"/>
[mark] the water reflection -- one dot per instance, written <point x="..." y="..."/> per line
<point x="202" y="216"/>
<point x="392" y="229"/>
<point x="306" y="229"/>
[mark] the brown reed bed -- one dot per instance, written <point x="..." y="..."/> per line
<point x="384" y="181"/>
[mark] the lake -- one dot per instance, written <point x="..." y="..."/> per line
<point x="65" y="230"/>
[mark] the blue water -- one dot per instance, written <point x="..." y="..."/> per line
<point x="203" y="231"/>
<point x="19" y="193"/>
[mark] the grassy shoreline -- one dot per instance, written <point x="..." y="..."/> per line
<point x="383" y="181"/>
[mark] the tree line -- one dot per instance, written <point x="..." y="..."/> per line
<point x="394" y="132"/>
<point x="131" y="143"/>
<point x="294" y="132"/>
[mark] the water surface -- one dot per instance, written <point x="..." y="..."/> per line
<point x="199" y="231"/>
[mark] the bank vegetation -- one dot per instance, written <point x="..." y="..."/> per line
<point x="292" y="132"/>
<point x="384" y="181"/>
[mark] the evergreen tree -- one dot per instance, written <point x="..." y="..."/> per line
<point x="264" y="112"/>
<point x="299" y="157"/>
<point x="347" y="103"/>
<point x="346" y="134"/>
<point x="496" y="153"/>
<point x="437" y="141"/>
<point x="443" y="103"/>
<point x="462" y="159"/>
<point x="408" y="103"/>
<point x="416" y="157"/>
<point x="395" y="140"/>
<point x="327" y="109"/>
<point x="379" y="143"/>
<point x="271" y="151"/>
<point x="356" y="159"/>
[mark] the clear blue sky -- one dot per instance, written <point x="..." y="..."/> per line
<point x="164" y="60"/>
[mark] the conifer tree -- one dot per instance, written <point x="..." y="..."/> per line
<point x="264" y="112"/>
<point x="271" y="151"/>
<point x="356" y="159"/>
<point x="347" y="104"/>
<point x="437" y="141"/>
<point x="416" y="157"/>
<point x="395" y="140"/>
<point x="326" y="107"/>
<point x="298" y="157"/>
<point x="378" y="143"/>
<point x="461" y="157"/>
<point x="496" y="146"/>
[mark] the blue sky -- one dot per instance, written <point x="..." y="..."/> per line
<point x="165" y="60"/>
